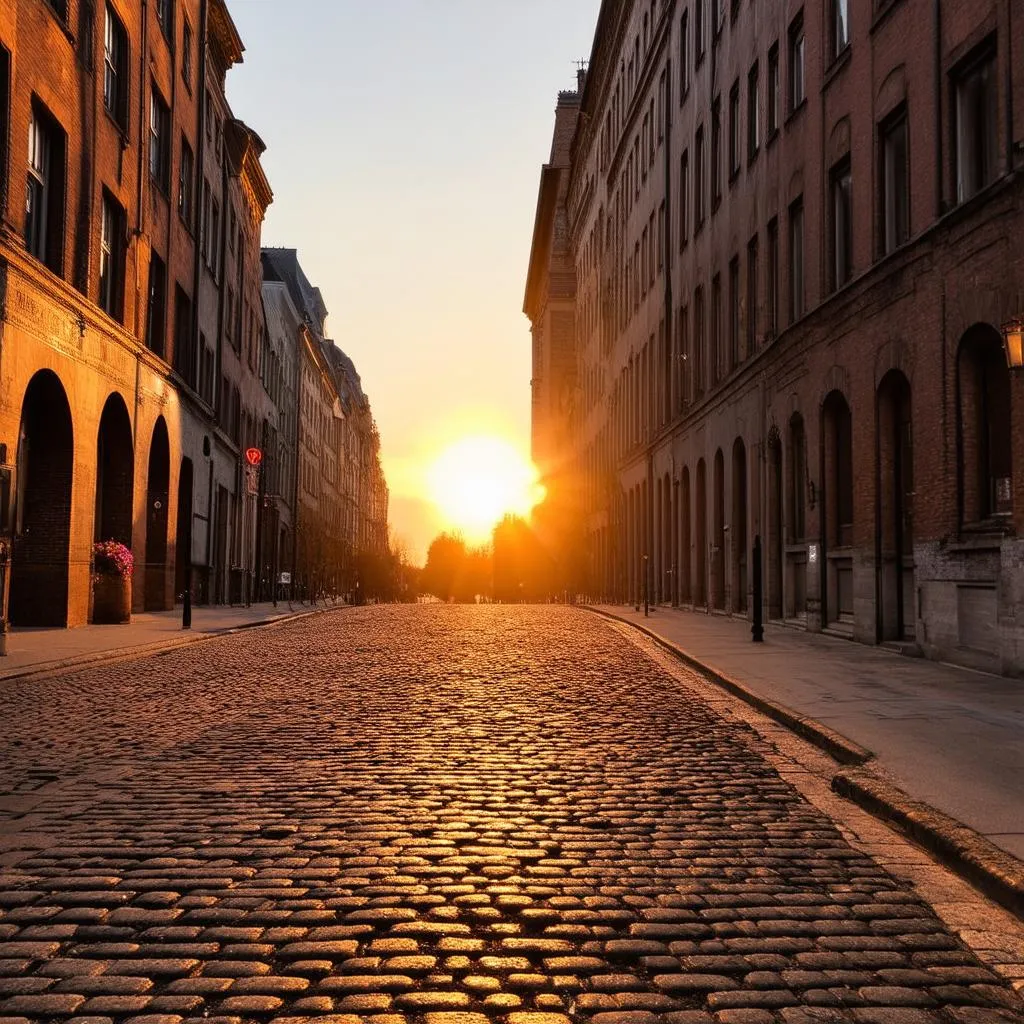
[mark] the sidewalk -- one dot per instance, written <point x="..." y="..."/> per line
<point x="32" y="650"/>
<point x="949" y="737"/>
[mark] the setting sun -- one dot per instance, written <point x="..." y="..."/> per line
<point x="478" y="480"/>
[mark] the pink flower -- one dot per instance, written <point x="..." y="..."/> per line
<point x="112" y="558"/>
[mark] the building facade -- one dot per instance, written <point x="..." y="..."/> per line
<point x="136" y="368"/>
<point x="792" y="227"/>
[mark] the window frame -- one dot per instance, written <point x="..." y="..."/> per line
<point x="893" y="231"/>
<point x="797" y="81"/>
<point x="159" y="140"/>
<point x="753" y="112"/>
<point x="841" y="222"/>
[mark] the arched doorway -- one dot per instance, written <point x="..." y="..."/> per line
<point x="115" y="473"/>
<point x="658" y="553"/>
<point x="42" y="514"/>
<point x="183" y="533"/>
<point x="895" y="488"/>
<point x="157" y="494"/>
<point x="797" y="491"/>
<point x="838" y="509"/>
<point x="685" y="563"/>
<point x="670" y="536"/>
<point x="700" y="512"/>
<point x="718" y="539"/>
<point x="775" y="533"/>
<point x="739" y="526"/>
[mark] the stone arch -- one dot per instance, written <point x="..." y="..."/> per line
<point x="42" y="514"/>
<point x="739" y="560"/>
<point x="158" y="479"/>
<point x="115" y="473"/>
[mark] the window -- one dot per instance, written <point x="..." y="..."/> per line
<point x="734" y="312"/>
<point x="60" y="7"/>
<point x="895" y="192"/>
<point x="974" y="105"/>
<point x="840" y="26"/>
<point x="796" y="260"/>
<point x="156" y="312"/>
<point x="112" y="254"/>
<point x="115" y="68"/>
<point x="716" y="152"/>
<point x="716" y="329"/>
<point x="698" y="183"/>
<point x="159" y="140"/>
<point x="698" y="32"/>
<point x="184" y="353"/>
<point x="699" y="341"/>
<point x="772" y="284"/>
<point x="186" y="184"/>
<point x="734" y="130"/>
<point x="165" y="15"/>
<point x="206" y="365"/>
<point x="205" y="227"/>
<point x="842" y="224"/>
<point x="215" y="239"/>
<point x="684" y="199"/>
<point x="752" y="283"/>
<point x="796" y="479"/>
<point x="796" y="62"/>
<point x="661" y="236"/>
<point x="753" y="112"/>
<point x="44" y="199"/>
<point x="684" y="56"/>
<point x="186" y="53"/>
<point x="773" y="90"/>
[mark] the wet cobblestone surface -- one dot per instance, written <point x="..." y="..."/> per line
<point x="440" y="816"/>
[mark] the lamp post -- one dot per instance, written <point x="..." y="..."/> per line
<point x="1013" y="343"/>
<point x="647" y="596"/>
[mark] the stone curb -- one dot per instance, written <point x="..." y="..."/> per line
<point x="119" y="654"/>
<point x="833" y="743"/>
<point x="997" y="873"/>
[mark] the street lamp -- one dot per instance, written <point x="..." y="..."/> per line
<point x="1013" y="343"/>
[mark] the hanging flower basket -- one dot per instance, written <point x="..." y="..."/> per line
<point x="111" y="582"/>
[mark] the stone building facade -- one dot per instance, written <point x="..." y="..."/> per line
<point x="793" y="229"/>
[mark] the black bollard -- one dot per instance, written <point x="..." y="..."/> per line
<point x="186" y="610"/>
<point x="757" y="630"/>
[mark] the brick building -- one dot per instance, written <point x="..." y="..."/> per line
<point x="135" y="363"/>
<point x="793" y="232"/>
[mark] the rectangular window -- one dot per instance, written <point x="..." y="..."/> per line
<point x="716" y="329"/>
<point x="840" y="27"/>
<point x="112" y="256"/>
<point x="975" y="112"/>
<point x="215" y="239"/>
<point x="753" y="112"/>
<point x="186" y="52"/>
<point x="796" y="62"/>
<point x="699" y="342"/>
<point x="842" y="224"/>
<point x="734" y="312"/>
<point x="698" y="32"/>
<point x="684" y="56"/>
<point x="774" y="89"/>
<point x="661" y="236"/>
<point x="184" y="353"/>
<point x="115" y="68"/>
<point x="156" y="312"/>
<point x="796" y="260"/>
<point x="895" y="191"/>
<point x="205" y="227"/>
<point x="186" y="184"/>
<point x="44" y="198"/>
<point x="716" y="152"/>
<point x="753" y="271"/>
<point x="772" y="325"/>
<point x="159" y="140"/>
<point x="734" y="130"/>
<point x="684" y="199"/>
<point x="698" y="179"/>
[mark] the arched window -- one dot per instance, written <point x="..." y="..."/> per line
<point x="983" y="426"/>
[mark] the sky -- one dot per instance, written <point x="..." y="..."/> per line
<point x="404" y="142"/>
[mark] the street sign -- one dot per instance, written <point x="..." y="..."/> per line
<point x="284" y="577"/>
<point x="254" y="456"/>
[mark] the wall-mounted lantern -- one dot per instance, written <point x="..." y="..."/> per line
<point x="1013" y="343"/>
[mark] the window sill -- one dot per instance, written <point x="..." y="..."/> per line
<point x="795" y="112"/>
<point x="883" y="9"/>
<point x="162" y="190"/>
<point x="752" y="156"/>
<point x="839" y="62"/>
<point x="734" y="175"/>
<point x="771" y="137"/>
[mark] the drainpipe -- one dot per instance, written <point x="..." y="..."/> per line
<point x="939" y="176"/>
<point x="197" y="190"/>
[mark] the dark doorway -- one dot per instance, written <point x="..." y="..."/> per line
<point x="838" y="508"/>
<point x="42" y="515"/>
<point x="895" y="509"/>
<point x="739" y="526"/>
<point x="183" y="532"/>
<point x="157" y="493"/>
<point x="775" y="534"/>
<point x="718" y="541"/>
<point x="115" y="474"/>
<point x="685" y="565"/>
<point x="700" y="554"/>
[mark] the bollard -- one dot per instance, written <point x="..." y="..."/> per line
<point x="186" y="610"/>
<point x="757" y="629"/>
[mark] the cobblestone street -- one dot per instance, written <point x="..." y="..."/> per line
<point x="442" y="815"/>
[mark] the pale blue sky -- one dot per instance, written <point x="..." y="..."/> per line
<point x="404" y="144"/>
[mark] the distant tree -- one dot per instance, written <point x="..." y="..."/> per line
<point x="455" y="572"/>
<point x="522" y="563"/>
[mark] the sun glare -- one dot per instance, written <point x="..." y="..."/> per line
<point x="477" y="481"/>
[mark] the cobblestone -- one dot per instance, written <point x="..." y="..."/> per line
<point x="434" y="815"/>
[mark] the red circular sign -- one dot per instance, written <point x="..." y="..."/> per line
<point x="253" y="456"/>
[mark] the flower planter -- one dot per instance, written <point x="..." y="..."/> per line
<point x="111" y="599"/>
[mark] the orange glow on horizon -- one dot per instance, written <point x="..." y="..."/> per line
<point x="476" y="481"/>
